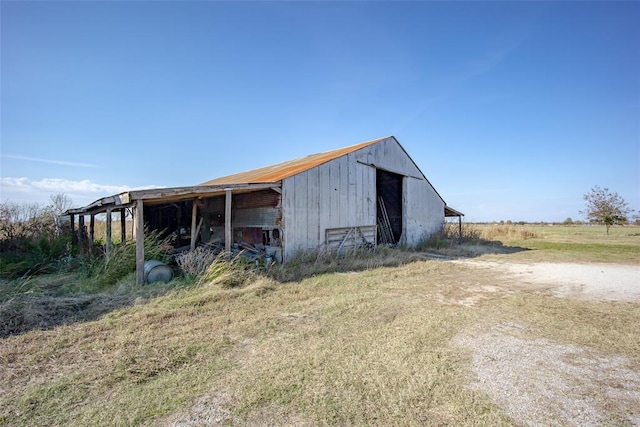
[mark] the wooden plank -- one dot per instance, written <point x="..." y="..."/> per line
<point x="227" y="222"/>
<point x="313" y="208"/>
<point x="361" y="199"/>
<point x="138" y="224"/>
<point x="288" y="186"/>
<point x="334" y="196"/>
<point x="324" y="197"/>
<point x="343" y="190"/>
<point x="351" y="192"/>
<point x="300" y="220"/>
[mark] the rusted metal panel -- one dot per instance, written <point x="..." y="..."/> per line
<point x="256" y="199"/>
<point x="280" y="171"/>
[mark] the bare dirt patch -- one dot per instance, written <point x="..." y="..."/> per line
<point x="540" y="382"/>
<point x="602" y="282"/>
<point x="543" y="383"/>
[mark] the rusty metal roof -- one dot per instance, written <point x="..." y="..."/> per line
<point x="280" y="171"/>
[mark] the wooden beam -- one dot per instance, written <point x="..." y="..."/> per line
<point x="194" y="218"/>
<point x="123" y="226"/>
<point x="109" y="246"/>
<point x="138" y="224"/>
<point x="227" y="222"/>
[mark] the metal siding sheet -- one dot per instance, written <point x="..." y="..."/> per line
<point x="257" y="217"/>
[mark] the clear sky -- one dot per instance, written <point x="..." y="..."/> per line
<point x="513" y="110"/>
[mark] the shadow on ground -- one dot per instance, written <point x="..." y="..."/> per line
<point x="27" y="312"/>
<point x="45" y="309"/>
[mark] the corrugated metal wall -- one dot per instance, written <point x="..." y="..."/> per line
<point x="256" y="209"/>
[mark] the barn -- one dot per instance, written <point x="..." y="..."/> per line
<point x="366" y="194"/>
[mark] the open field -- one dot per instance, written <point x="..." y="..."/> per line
<point x="578" y="243"/>
<point x="399" y="339"/>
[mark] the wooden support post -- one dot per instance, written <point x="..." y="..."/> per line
<point x="194" y="217"/>
<point x="459" y="227"/>
<point x="92" y="230"/>
<point x="73" y="228"/>
<point x="109" y="243"/>
<point x="123" y="226"/>
<point x="81" y="231"/>
<point x="227" y="222"/>
<point x="138" y="224"/>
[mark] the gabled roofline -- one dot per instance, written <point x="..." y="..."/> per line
<point x="279" y="171"/>
<point x="261" y="178"/>
<point x="417" y="167"/>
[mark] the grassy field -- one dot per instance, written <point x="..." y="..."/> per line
<point x="329" y="342"/>
<point x="577" y="243"/>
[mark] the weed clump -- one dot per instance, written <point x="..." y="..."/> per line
<point x="106" y="271"/>
<point x="228" y="272"/>
<point x="195" y="262"/>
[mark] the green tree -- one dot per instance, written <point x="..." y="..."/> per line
<point x="605" y="207"/>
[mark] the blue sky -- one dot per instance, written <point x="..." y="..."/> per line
<point x="513" y="110"/>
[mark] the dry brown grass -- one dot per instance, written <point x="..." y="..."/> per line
<point x="332" y="341"/>
<point x="344" y="348"/>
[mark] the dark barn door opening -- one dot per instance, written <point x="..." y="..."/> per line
<point x="389" y="202"/>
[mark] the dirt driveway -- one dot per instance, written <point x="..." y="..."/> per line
<point x="603" y="282"/>
<point x="539" y="382"/>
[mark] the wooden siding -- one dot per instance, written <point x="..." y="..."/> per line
<point x="424" y="211"/>
<point x="342" y="194"/>
<point x="337" y="194"/>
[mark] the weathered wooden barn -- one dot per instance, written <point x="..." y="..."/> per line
<point x="362" y="195"/>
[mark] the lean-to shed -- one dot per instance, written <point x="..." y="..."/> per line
<point x="362" y="195"/>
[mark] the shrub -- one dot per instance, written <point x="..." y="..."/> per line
<point x="194" y="263"/>
<point x="451" y="234"/>
<point x="28" y="241"/>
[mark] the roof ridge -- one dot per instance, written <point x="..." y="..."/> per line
<point x="278" y="171"/>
